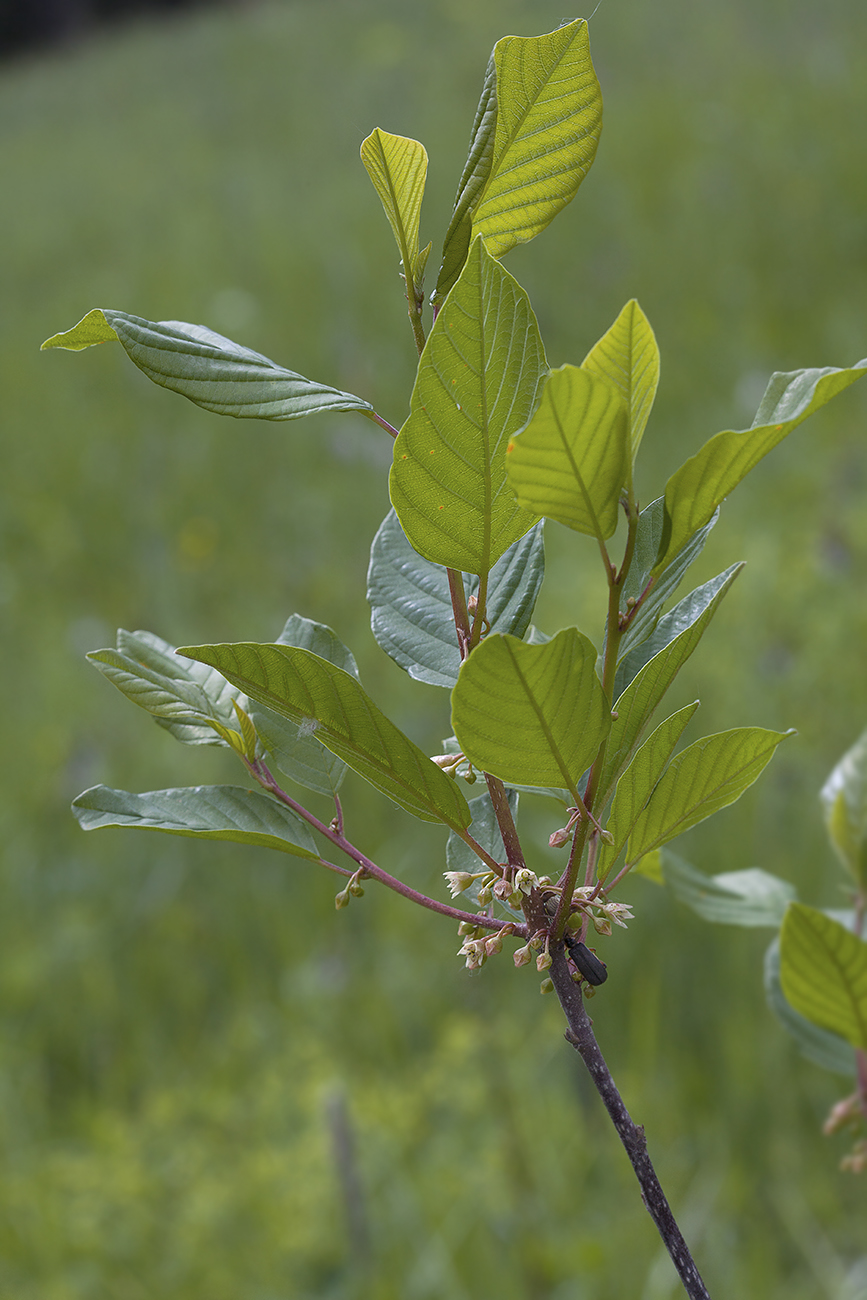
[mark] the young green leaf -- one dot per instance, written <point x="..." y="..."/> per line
<point x="653" y="591"/>
<point x="823" y="970"/>
<point x="533" y="141"/>
<point x="844" y="802"/>
<point x="206" y="812"/>
<point x="298" y="754"/>
<point x="635" y="707"/>
<point x="398" y="168"/>
<point x="628" y="357"/>
<point x="693" y="493"/>
<point x="705" y="777"/>
<point x="637" y="784"/>
<point x="330" y="704"/>
<point x="684" y="614"/>
<point x="410" y="602"/>
<point x="571" y="460"/>
<point x="752" y="898"/>
<point x="209" y="369"/>
<point x="478" y="382"/>
<point x="531" y="715"/>
<point x="477" y="170"/>
<point x="191" y="701"/>
<point x="828" y="1050"/>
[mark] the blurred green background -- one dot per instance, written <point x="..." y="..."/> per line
<point x="192" y="1038"/>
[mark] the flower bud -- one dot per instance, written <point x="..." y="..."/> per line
<point x="342" y="899"/>
<point x="557" y="839"/>
<point x="547" y="986"/>
<point x="543" y="961"/>
<point x="521" y="956"/>
<point x="493" y="945"/>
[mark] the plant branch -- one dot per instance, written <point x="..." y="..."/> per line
<point x="460" y="611"/>
<point x="506" y="823"/>
<point x="260" y="771"/>
<point x="580" y="1035"/>
<point x="383" y="424"/>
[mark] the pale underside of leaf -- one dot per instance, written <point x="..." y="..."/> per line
<point x="411" y="608"/>
<point x="209" y="369"/>
<point x="203" y="812"/>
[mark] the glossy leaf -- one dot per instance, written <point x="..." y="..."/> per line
<point x="637" y="784"/>
<point x="671" y="625"/>
<point x="571" y="461"/>
<point x="844" y="803"/>
<point x="398" y="168"/>
<point x="478" y="382"/>
<point x="828" y="1050"/>
<point x="330" y="704"/>
<point x="191" y="701"/>
<point x="705" y="777"/>
<point x="751" y="898"/>
<point x="693" y="493"/>
<point x="299" y="755"/>
<point x="663" y="585"/>
<point x="206" y="812"/>
<point x="636" y="706"/>
<point x="410" y="602"/>
<point x="533" y="141"/>
<point x="531" y="715"/>
<point x="209" y="369"/>
<point x="823" y="971"/>
<point x="627" y="356"/>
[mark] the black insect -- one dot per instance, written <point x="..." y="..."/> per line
<point x="585" y="961"/>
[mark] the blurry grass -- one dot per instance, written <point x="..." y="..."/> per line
<point x="176" y="1016"/>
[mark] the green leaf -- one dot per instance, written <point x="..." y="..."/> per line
<point x="549" y="118"/>
<point x="191" y="701"/>
<point x="635" y="707"/>
<point x="637" y="784"/>
<point x="411" y="608"/>
<point x="299" y="755"/>
<point x="828" y="1050"/>
<point x="752" y="898"/>
<point x="823" y="970"/>
<point x="628" y="357"/>
<point x="661" y="586"/>
<point x="476" y="171"/>
<point x="671" y="625"/>
<point x="693" y="493"/>
<point x="531" y="715"/>
<point x="844" y="802"/>
<point x="533" y="141"/>
<point x="478" y="382"/>
<point x="92" y="328"/>
<point x="398" y="168"/>
<point x="206" y="812"/>
<point x="330" y="704"/>
<point x="571" y="461"/>
<point x="209" y="369"/>
<point x="705" y="777"/>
